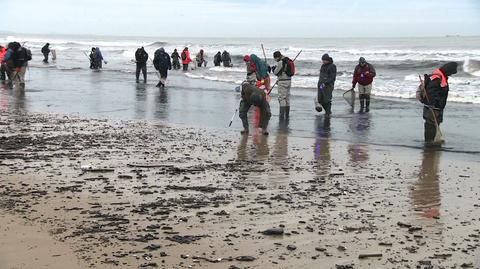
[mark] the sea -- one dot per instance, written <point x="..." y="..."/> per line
<point x="398" y="61"/>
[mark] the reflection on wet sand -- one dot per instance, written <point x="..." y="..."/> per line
<point x="321" y="148"/>
<point x="12" y="99"/>
<point x="258" y="151"/>
<point x="161" y="104"/>
<point x="360" y="129"/>
<point x="141" y="100"/>
<point x="425" y="193"/>
<point x="280" y="161"/>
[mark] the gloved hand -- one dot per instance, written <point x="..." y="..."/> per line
<point x="18" y="69"/>
<point x="273" y="68"/>
<point x="269" y="68"/>
<point x="353" y="87"/>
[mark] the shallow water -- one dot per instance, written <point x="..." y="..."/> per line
<point x="202" y="103"/>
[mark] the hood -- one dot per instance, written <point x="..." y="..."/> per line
<point x="162" y="50"/>
<point x="327" y="57"/>
<point x="247" y="58"/>
<point x="449" y="68"/>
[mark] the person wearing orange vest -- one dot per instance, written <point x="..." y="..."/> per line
<point x="186" y="59"/>
<point x="435" y="99"/>
<point x="3" y="67"/>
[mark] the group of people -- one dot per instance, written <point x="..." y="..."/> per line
<point x="14" y="62"/>
<point x="256" y="88"/>
<point x="164" y="62"/>
<point x="224" y="58"/>
<point x="96" y="59"/>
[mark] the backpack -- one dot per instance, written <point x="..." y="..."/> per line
<point x="289" y="66"/>
<point x="28" y="54"/>
<point x="422" y="89"/>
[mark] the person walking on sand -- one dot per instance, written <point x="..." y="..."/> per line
<point x="141" y="58"/>
<point x="434" y="98"/>
<point x="284" y="70"/>
<point x="226" y="59"/>
<point x="186" y="59"/>
<point x="200" y="58"/>
<point x="175" y="60"/>
<point x="251" y="95"/>
<point x="46" y="52"/>
<point x="162" y="63"/>
<point x="326" y="82"/>
<point x="363" y="75"/>
<point x="217" y="60"/>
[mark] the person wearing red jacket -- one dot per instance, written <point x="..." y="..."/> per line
<point x="186" y="58"/>
<point x="363" y="75"/>
<point x="3" y="67"/>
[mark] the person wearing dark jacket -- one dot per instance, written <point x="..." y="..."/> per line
<point x="226" y="59"/>
<point x="175" y="60"/>
<point x="217" y="59"/>
<point x="363" y="76"/>
<point x="435" y="98"/>
<point x="162" y="63"/>
<point x="46" y="52"/>
<point x="141" y="59"/>
<point x="326" y="82"/>
<point x="251" y="95"/>
<point x="18" y="58"/>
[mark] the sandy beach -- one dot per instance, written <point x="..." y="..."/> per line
<point x="137" y="194"/>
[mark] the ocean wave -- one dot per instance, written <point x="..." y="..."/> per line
<point x="471" y="67"/>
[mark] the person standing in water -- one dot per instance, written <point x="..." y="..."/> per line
<point x="200" y="58"/>
<point x="283" y="71"/>
<point x="326" y="82"/>
<point x="99" y="58"/>
<point x="162" y="63"/>
<point x="363" y="75"/>
<point x="434" y="98"/>
<point x="141" y="58"/>
<point x="175" y="60"/>
<point x="251" y="95"/>
<point x="46" y="52"/>
<point x="3" y="65"/>
<point x="217" y="60"/>
<point x="18" y="57"/>
<point x="226" y="59"/>
<point x="186" y="59"/>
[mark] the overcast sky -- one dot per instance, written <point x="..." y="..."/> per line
<point x="243" y="18"/>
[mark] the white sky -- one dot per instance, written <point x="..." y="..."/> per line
<point x="243" y="18"/>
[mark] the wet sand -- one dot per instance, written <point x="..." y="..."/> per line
<point x="138" y="194"/>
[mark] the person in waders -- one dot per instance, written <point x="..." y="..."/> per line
<point x="175" y="60"/>
<point x="251" y="95"/>
<point x="141" y="58"/>
<point x="46" y="52"/>
<point x="217" y="59"/>
<point x="284" y="70"/>
<point x="434" y="97"/>
<point x="363" y="76"/>
<point x="186" y="59"/>
<point x="326" y="82"/>
<point x="162" y="63"/>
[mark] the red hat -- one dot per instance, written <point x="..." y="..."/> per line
<point x="246" y="58"/>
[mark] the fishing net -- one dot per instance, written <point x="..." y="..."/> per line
<point x="349" y="96"/>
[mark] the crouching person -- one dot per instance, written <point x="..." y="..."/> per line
<point x="252" y="95"/>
